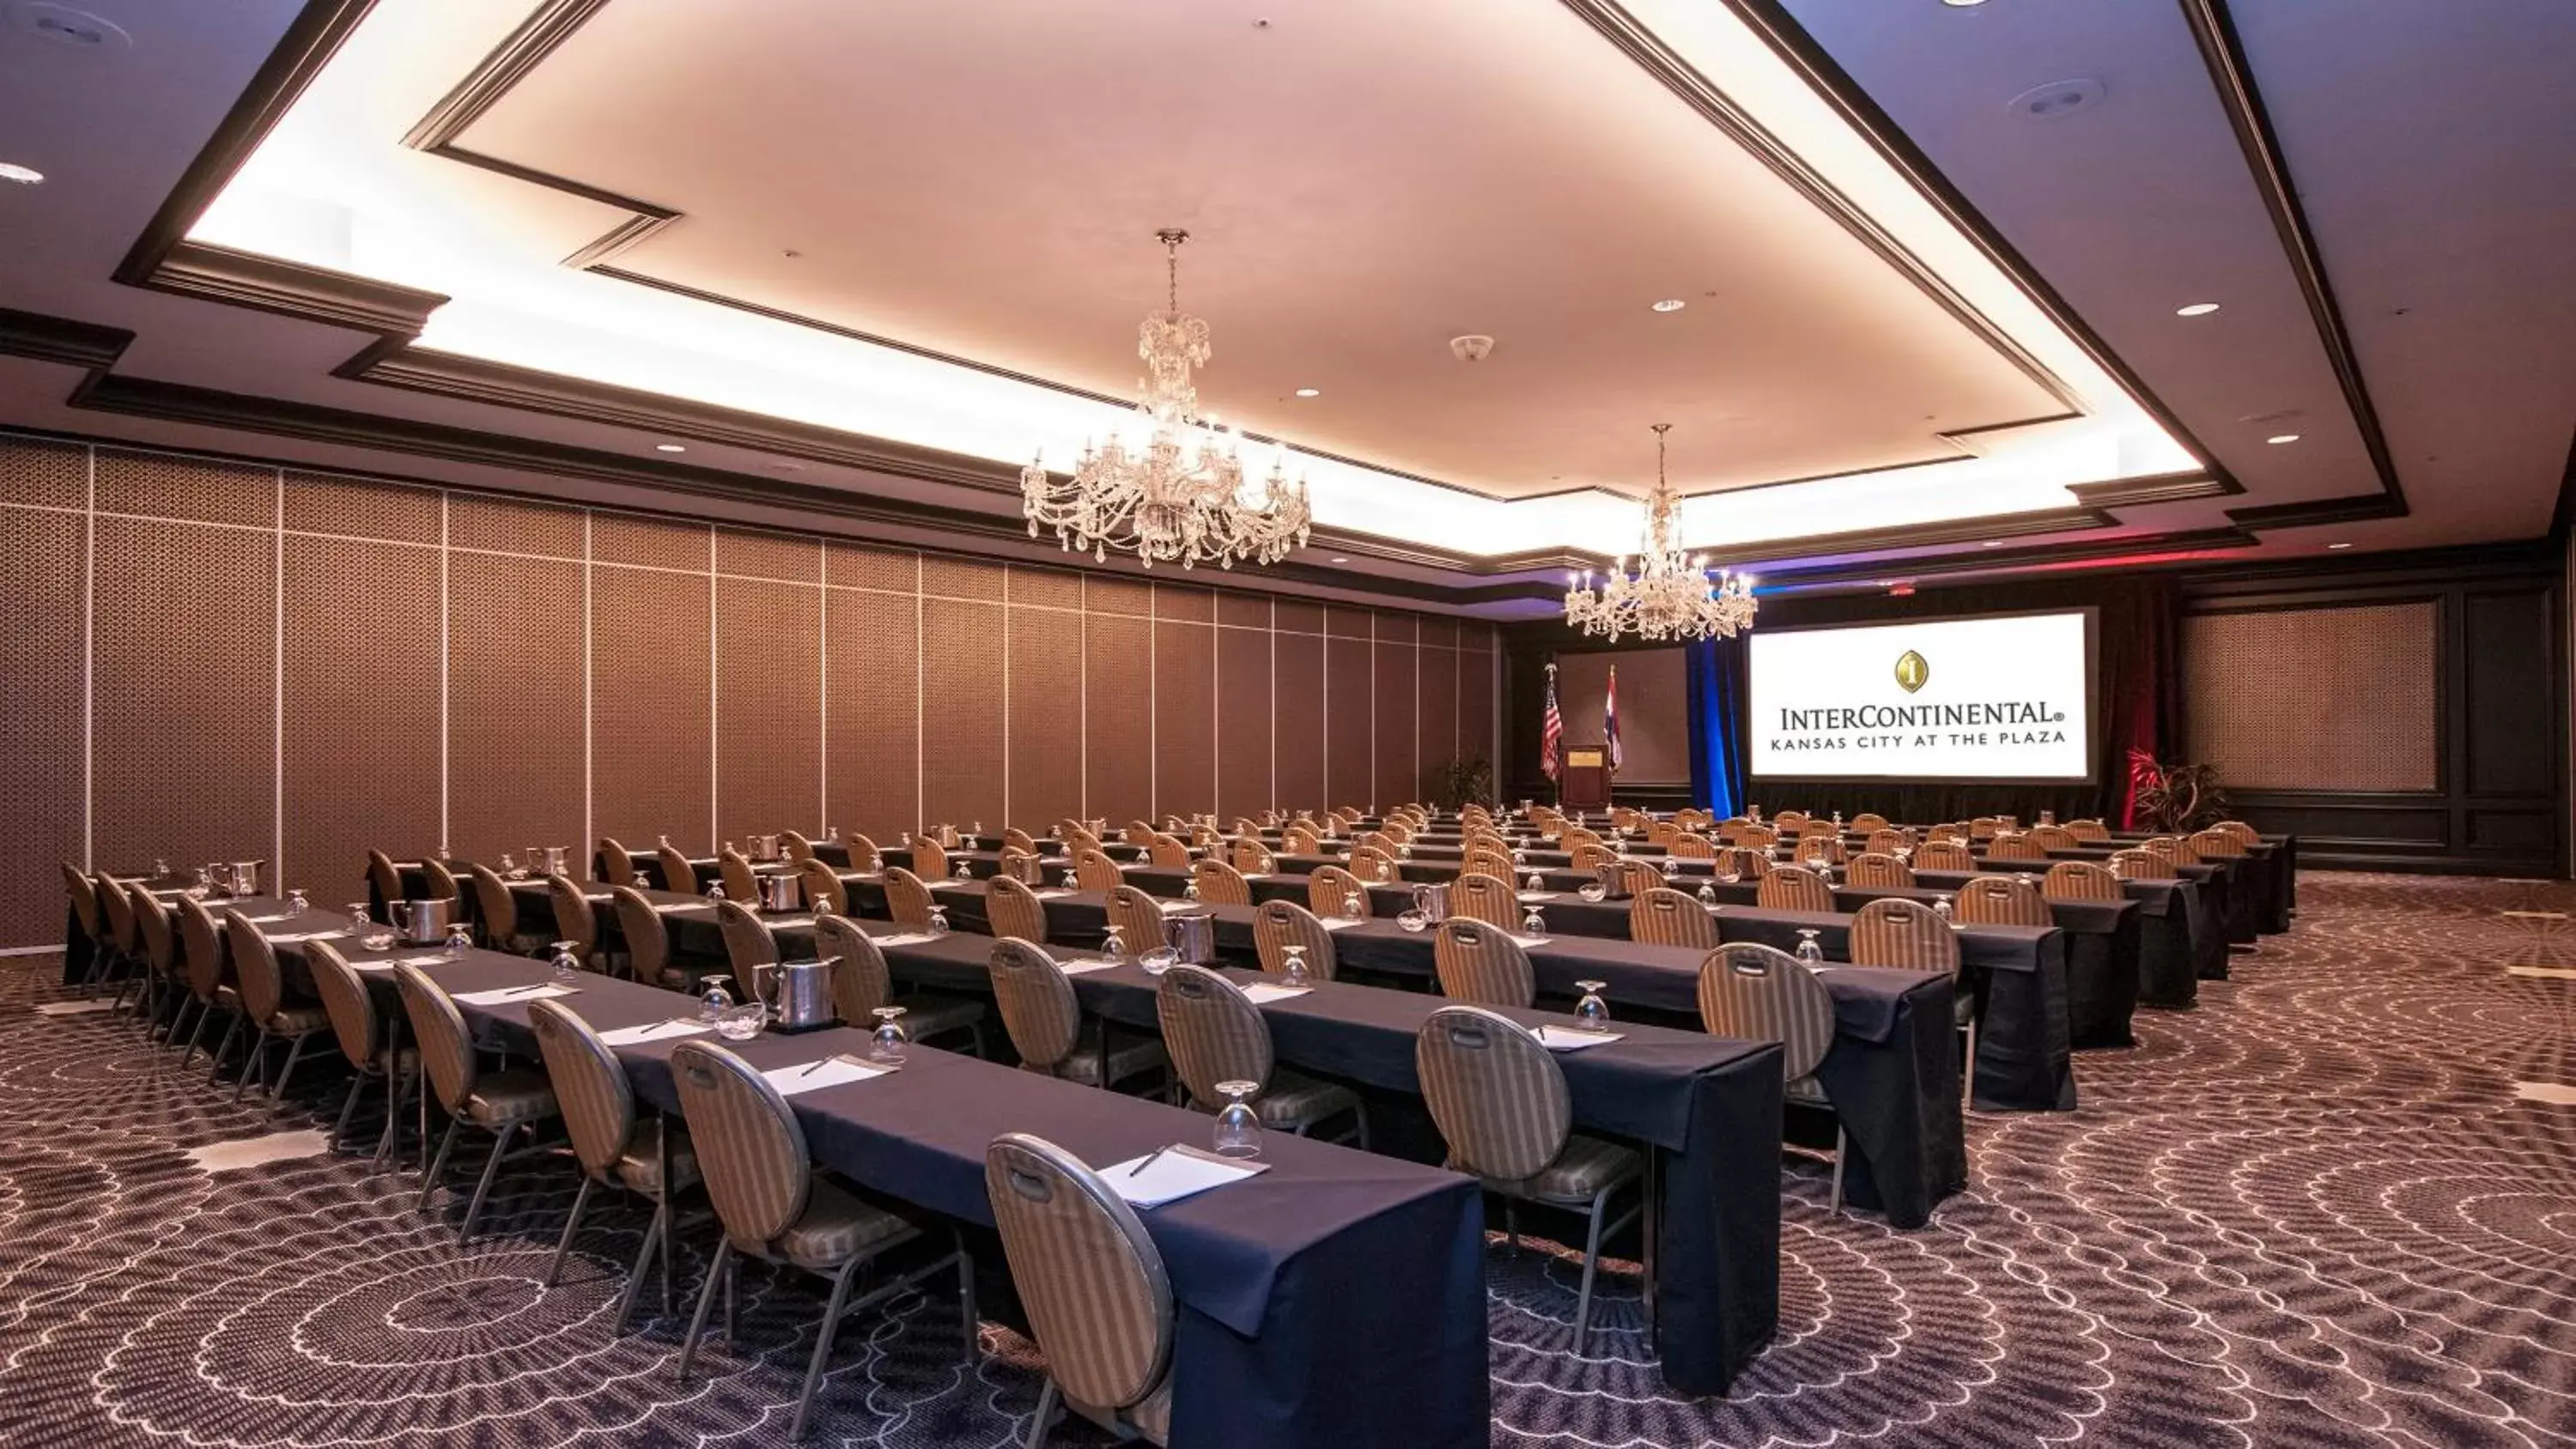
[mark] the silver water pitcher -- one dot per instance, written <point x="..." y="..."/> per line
<point x="243" y="878"/>
<point x="781" y="891"/>
<point x="1432" y="900"/>
<point x="1192" y="937"/>
<point x="423" y="923"/>
<point x="800" y="995"/>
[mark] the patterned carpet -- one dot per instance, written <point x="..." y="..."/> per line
<point x="2322" y="1209"/>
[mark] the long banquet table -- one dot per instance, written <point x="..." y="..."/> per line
<point x="1334" y="1267"/>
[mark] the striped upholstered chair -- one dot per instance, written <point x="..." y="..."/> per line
<point x="1480" y="963"/>
<point x="1794" y="888"/>
<point x="907" y="899"/>
<point x="760" y="1175"/>
<point x="2015" y="845"/>
<point x="824" y="889"/>
<point x="1168" y="851"/>
<point x="1333" y="892"/>
<point x="1014" y="838"/>
<point x="864" y="855"/>
<point x="679" y="873"/>
<point x="386" y="877"/>
<point x="1500" y="1101"/>
<point x="751" y="948"/>
<point x="270" y="1012"/>
<point x="1868" y="821"/>
<point x="496" y="1102"/>
<point x="496" y="913"/>
<point x="1254" y="858"/>
<point x="576" y="922"/>
<point x="794" y="845"/>
<point x="648" y="943"/>
<point x="1012" y="908"/>
<point x="1093" y="1285"/>
<point x="1690" y="846"/>
<point x="1905" y="934"/>
<point x="1816" y="850"/>
<point x="861" y="983"/>
<point x="2242" y="831"/>
<point x="1944" y="855"/>
<point x="1880" y="872"/>
<point x="616" y="863"/>
<point x="1278" y="925"/>
<point x="1666" y="917"/>
<point x="1487" y="898"/>
<point x="1093" y="870"/>
<point x="2142" y="865"/>
<point x="1636" y="876"/>
<point x="929" y="858"/>
<point x="2003" y="900"/>
<point x="1302" y="839"/>
<point x="1486" y="860"/>
<point x="1760" y="993"/>
<point x="2089" y="832"/>
<point x="1047" y="1028"/>
<point x="209" y="974"/>
<point x="2080" y="880"/>
<point x="2051" y="837"/>
<point x="364" y="1043"/>
<point x="1589" y="855"/>
<point x="741" y="882"/>
<point x="1138" y="917"/>
<point x="615" y="1146"/>
<point x="1215" y="1034"/>
<point x="1372" y="864"/>
<point x="1221" y="884"/>
<point x="1888" y="840"/>
<point x="1745" y="861"/>
<point x="2215" y="844"/>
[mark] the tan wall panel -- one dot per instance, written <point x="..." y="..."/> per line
<point x="1350" y="692"/>
<point x="873" y="753"/>
<point x="662" y="543"/>
<point x="1476" y="706"/>
<point x="1184" y="601"/>
<point x="359" y="508"/>
<point x="185" y="685"/>
<point x="1436" y="724"/>
<point x="859" y="566"/>
<point x="1184" y="718"/>
<point x="359" y="751"/>
<point x="43" y="562"/>
<point x="1297" y="711"/>
<point x="651" y="720"/>
<point x="1243" y="611"/>
<point x="44" y="473"/>
<point x="769" y="687"/>
<point x="1046" y="716"/>
<point x="1298" y="617"/>
<point x="962" y="578"/>
<point x="780" y="556"/>
<point x="1348" y="623"/>
<point x="170" y="485"/>
<point x="2341" y="699"/>
<point x="514" y="705"/>
<point x="1118" y="717"/>
<point x="513" y="525"/>
<point x="1053" y="588"/>
<point x="1439" y="632"/>
<point x="1397" y="777"/>
<point x="963" y="705"/>
<point x="1103" y="594"/>
<point x="1243" y="721"/>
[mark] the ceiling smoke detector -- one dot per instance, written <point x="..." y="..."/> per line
<point x="64" y="25"/>
<point x="2058" y="98"/>
<point x="1474" y="347"/>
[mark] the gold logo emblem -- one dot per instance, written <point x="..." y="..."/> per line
<point x="1911" y="671"/>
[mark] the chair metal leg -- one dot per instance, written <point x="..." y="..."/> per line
<point x="1591" y="1268"/>
<point x="572" y="1224"/>
<point x="732" y="1302"/>
<point x="1842" y="1145"/>
<point x="706" y="1300"/>
<point x="483" y="1188"/>
<point x="1046" y="1410"/>
<point x="966" y="1301"/>
<point x="277" y="1095"/>
<point x="643" y="1265"/>
<point x="397" y="1092"/>
<point x="438" y="1164"/>
<point x="822" y="1347"/>
<point x="196" y="1034"/>
<point x="1512" y="1227"/>
<point x="224" y="1048"/>
<point x="348" y="1105"/>
<point x="257" y="1065"/>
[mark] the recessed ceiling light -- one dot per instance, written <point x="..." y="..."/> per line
<point x="2196" y="309"/>
<point x="2058" y="98"/>
<point x="1339" y="558"/>
<point x="1671" y="304"/>
<point x="63" y="25"/>
<point x="2338" y="545"/>
<point x="669" y="448"/>
<point x="2282" y="438"/>
<point x="1310" y="392"/>
<point x="1963" y="4"/>
<point x="1992" y="543"/>
<point x="23" y="175"/>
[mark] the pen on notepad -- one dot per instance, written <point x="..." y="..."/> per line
<point x="1139" y="1169"/>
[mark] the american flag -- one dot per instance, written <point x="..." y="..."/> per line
<point x="1610" y="720"/>
<point x="1551" y="729"/>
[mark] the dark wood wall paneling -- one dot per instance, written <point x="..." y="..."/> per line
<point x="500" y="672"/>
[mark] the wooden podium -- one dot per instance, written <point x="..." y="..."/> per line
<point x="1585" y="782"/>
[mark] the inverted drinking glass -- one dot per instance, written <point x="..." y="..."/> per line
<point x="1592" y="1011"/>
<point x="888" y="1042"/>
<point x="1238" y="1129"/>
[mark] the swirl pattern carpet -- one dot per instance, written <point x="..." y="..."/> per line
<point x="2333" y="1205"/>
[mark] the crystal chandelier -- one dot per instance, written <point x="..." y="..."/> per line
<point x="1172" y="486"/>
<point x="1672" y="595"/>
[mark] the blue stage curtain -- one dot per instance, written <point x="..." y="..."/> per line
<point x="1716" y="681"/>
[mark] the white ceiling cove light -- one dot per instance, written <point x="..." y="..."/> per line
<point x="2196" y="309"/>
<point x="23" y="175"/>
<point x="669" y="448"/>
<point x="1310" y="392"/>
<point x="2278" y="438"/>
<point x="1671" y="304"/>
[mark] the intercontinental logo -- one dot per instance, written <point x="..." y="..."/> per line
<point x="1912" y="671"/>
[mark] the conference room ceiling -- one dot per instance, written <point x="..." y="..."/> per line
<point x="527" y="245"/>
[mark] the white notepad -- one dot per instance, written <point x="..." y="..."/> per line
<point x="289" y="938"/>
<point x="905" y="938"/>
<point x="265" y="920"/>
<point x="1176" y="1172"/>
<point x="655" y="1031"/>
<point x="1540" y="895"/>
<point x="1339" y="923"/>
<point x="1525" y="942"/>
<point x="814" y="1076"/>
<point x="1078" y="968"/>
<point x="1048" y="895"/>
<point x="510" y="994"/>
<point x="667" y="906"/>
<point x="1262" y="993"/>
<point x="1572" y="1039"/>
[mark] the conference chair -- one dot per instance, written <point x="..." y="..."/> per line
<point x="1486" y="860"/>
<point x="1048" y="1030"/>
<point x="575" y="921"/>
<point x="616" y="863"/>
<point x="1138" y="917"/>
<point x="122" y="945"/>
<point x="614" y="1145"/>
<point x="1221" y="884"/>
<point x="1868" y="821"/>
<point x="496" y="913"/>
<point x="1215" y="1034"/>
<point x="164" y="974"/>
<point x="759" y="1174"/>
<point x="1093" y="1286"/>
<point x="1136" y="832"/>
<point x="81" y="891"/>
<point x="364" y="1043"/>
<point x="1984" y="827"/>
<point x="1911" y="936"/>
<point x="1887" y="840"/>
<point x="1789" y="822"/>
<point x="823" y="887"/>
<point x="1169" y="851"/>
<point x="1947" y="831"/>
<point x="1012" y="908"/>
<point x="1020" y="865"/>
<point x="751" y="948"/>
<point x="1745" y="861"/>
<point x="907" y="899"/>
<point x="2003" y="900"/>
<point x="647" y="937"/>
<point x="1254" y="858"/>
<point x="265" y="1006"/>
<point x="2171" y="847"/>
<point x="209" y="969"/>
<point x="1077" y="838"/>
<point x="1666" y="917"/>
<point x="2143" y="865"/>
<point x="1301" y="840"/>
<point x="1278" y="925"/>
<point x="1878" y="872"/>
<point x="2051" y="837"/>
<point x="799" y="849"/>
<point x="1794" y="888"/>
<point x="1820" y="850"/>
<point x="499" y="1103"/>
<point x="679" y="873"/>
<point x="1754" y="992"/>
<point x="1575" y="837"/>
<point x="1634" y="876"/>
<point x="1093" y="870"/>
<point x="1501" y="1104"/>
<point x="1372" y="864"/>
<point x="864" y="855"/>
<point x="1939" y="854"/>
<point x="1687" y="846"/>
<point x="862" y="983"/>
<point x="1333" y="892"/>
<point x="1662" y="832"/>
<point x="1487" y="898"/>
<point x="929" y="858"/>
<point x="2089" y="832"/>
<point x="1589" y="856"/>
<point x="2242" y="831"/>
<point x="385" y="876"/>
<point x="1479" y="962"/>
<point x="2080" y="880"/>
<point x="2215" y="844"/>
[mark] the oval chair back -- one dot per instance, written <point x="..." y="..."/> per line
<point x="751" y="948"/>
<point x="1666" y="917"/>
<point x="2214" y="844"/>
<point x="1480" y="897"/>
<point x="202" y="946"/>
<point x="2088" y="831"/>
<point x="384" y="876"/>
<point x="437" y="882"/>
<point x="1372" y="864"/>
<point x="1944" y="855"/>
<point x="1794" y="888"/>
<point x="823" y="886"/>
<point x="646" y="937"/>
<point x="861" y="981"/>
<point x="2003" y="900"/>
<point x="83" y="894"/>
<point x="1903" y="933"/>
<point x="2142" y="865"/>
<point x="1091" y="1281"/>
<point x="1037" y="1004"/>
<point x="1497" y="1096"/>
<point x="1012" y="908"/>
<point x="255" y="969"/>
<point x="1221" y="884"/>
<point x="751" y="1152"/>
<point x="159" y="934"/>
<point x="575" y="921"/>
<point x="354" y="1022"/>
<point x="438" y="1030"/>
<point x="907" y="899"/>
<point x="1093" y="870"/>
<point x="1254" y="858"/>
<point x="590" y="1085"/>
<point x="863" y="854"/>
<point x="1753" y="992"/>
<point x="1278" y="925"/>
<point x="116" y="914"/>
<point x="1168" y="851"/>
<point x="1214" y="1032"/>
<point x="2080" y="880"/>
<point x="1480" y="963"/>
<point x="1333" y="891"/>
<point x="616" y="863"/>
<point x="1138" y="917"/>
<point x="799" y="849"/>
<point x="741" y="882"/>
<point x="679" y="873"/>
<point x="1637" y="877"/>
<point x="1880" y="872"/>
<point x="929" y="859"/>
<point x="496" y="911"/>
